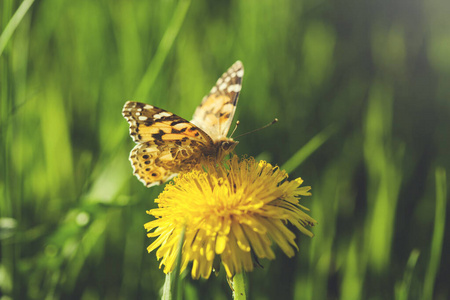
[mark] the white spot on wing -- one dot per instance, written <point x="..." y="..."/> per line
<point x="227" y="108"/>
<point x="240" y="73"/>
<point x="234" y="88"/>
<point x="222" y="86"/>
<point x="162" y="114"/>
<point x="180" y="126"/>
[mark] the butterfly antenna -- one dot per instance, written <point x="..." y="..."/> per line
<point x="258" y="129"/>
<point x="237" y="123"/>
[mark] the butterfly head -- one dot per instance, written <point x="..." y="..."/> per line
<point x="228" y="145"/>
<point x="224" y="147"/>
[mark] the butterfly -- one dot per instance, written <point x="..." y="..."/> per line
<point x="167" y="144"/>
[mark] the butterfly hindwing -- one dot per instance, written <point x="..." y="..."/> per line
<point x="143" y="158"/>
<point x="154" y="164"/>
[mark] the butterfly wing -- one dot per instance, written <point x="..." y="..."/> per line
<point x="166" y="143"/>
<point x="215" y="114"/>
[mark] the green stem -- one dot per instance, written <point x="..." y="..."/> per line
<point x="167" y="294"/>
<point x="171" y="289"/>
<point x="239" y="283"/>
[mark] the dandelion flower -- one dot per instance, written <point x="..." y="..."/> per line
<point x="231" y="211"/>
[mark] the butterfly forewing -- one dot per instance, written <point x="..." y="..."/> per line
<point x="215" y="114"/>
<point x="150" y="123"/>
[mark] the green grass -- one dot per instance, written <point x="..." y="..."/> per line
<point x="360" y="89"/>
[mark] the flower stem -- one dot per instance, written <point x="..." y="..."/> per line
<point x="171" y="289"/>
<point x="239" y="283"/>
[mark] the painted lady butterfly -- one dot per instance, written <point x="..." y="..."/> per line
<point x="168" y="144"/>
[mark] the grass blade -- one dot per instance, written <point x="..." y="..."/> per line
<point x="13" y="23"/>
<point x="301" y="155"/>
<point x="163" y="49"/>
<point x="402" y="290"/>
<point x="438" y="234"/>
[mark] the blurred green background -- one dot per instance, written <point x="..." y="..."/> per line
<point x="362" y="92"/>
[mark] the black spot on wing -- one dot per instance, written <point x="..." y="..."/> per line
<point x="178" y="131"/>
<point x="149" y="122"/>
<point x="172" y="118"/>
<point x="158" y="136"/>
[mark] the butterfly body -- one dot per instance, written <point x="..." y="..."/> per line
<point x="168" y="144"/>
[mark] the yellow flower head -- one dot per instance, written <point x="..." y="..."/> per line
<point x="232" y="211"/>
